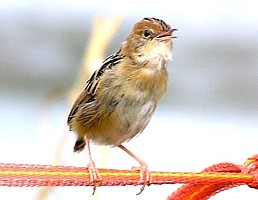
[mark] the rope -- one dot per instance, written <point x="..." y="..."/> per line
<point x="201" y="185"/>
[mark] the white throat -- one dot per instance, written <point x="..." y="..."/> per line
<point x="157" y="56"/>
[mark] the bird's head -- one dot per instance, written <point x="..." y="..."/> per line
<point x="150" y="41"/>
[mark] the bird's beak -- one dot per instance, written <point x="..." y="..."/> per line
<point x="168" y="35"/>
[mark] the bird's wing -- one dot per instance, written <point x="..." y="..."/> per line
<point x="89" y="93"/>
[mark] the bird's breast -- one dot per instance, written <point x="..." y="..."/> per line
<point x="152" y="82"/>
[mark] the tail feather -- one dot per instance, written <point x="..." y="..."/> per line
<point x="79" y="145"/>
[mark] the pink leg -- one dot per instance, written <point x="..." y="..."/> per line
<point x="93" y="172"/>
<point x="143" y="168"/>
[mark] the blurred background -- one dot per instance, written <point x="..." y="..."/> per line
<point x="208" y="115"/>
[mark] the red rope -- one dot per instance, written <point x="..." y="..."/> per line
<point x="202" y="185"/>
<point x="204" y="190"/>
<point x="194" y="191"/>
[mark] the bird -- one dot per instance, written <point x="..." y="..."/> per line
<point x="119" y="98"/>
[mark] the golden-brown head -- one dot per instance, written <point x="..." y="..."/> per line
<point x="150" y="39"/>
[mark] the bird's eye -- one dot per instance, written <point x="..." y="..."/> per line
<point x="146" y="33"/>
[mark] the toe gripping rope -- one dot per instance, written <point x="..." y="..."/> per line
<point x="203" y="185"/>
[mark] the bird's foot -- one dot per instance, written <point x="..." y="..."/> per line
<point x="95" y="178"/>
<point x="145" y="175"/>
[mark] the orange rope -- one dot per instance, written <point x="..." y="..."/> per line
<point x="202" y="185"/>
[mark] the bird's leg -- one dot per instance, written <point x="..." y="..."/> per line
<point x="143" y="168"/>
<point x="93" y="172"/>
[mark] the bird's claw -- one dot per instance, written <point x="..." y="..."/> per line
<point x="145" y="175"/>
<point x="95" y="178"/>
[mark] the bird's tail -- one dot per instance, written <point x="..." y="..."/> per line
<point x="79" y="145"/>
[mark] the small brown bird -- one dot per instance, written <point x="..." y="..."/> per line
<point x="119" y="98"/>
